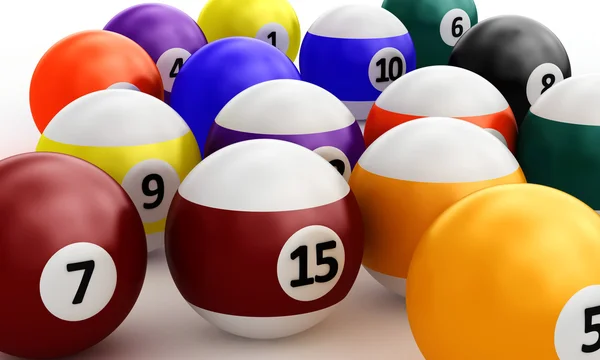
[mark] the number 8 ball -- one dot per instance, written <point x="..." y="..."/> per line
<point x="518" y="55"/>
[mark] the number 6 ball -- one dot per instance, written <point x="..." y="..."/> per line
<point x="73" y="255"/>
<point x="254" y="258"/>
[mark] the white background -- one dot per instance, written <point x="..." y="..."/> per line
<point x="371" y="323"/>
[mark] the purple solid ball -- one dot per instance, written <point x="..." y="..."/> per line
<point x="169" y="36"/>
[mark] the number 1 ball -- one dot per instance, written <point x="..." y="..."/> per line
<point x="168" y="35"/>
<point x="435" y="25"/>
<point x="284" y="259"/>
<point x="73" y="256"/>
<point x="273" y="21"/>
<point x="137" y="139"/>
<point x="515" y="273"/>
<point x="85" y="62"/>
<point x="518" y="55"/>
<point x="355" y="52"/>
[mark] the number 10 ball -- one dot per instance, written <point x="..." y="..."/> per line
<point x="355" y="52"/>
<point x="137" y="139"/>
<point x="254" y="258"/>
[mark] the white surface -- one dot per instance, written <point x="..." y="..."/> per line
<point x="285" y="107"/>
<point x="370" y="324"/>
<point x="438" y="150"/>
<point x="442" y="91"/>
<point x="257" y="175"/>
<point x="355" y="21"/>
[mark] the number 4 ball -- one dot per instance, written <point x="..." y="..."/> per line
<point x="515" y="273"/>
<point x="284" y="259"/>
<point x="73" y="255"/>
<point x="139" y="140"/>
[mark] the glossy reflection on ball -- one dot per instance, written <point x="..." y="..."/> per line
<point x="168" y="35"/>
<point x="73" y="256"/>
<point x="294" y="111"/>
<point x="272" y="21"/>
<point x="355" y="52"/>
<point x="139" y="140"/>
<point x="218" y="72"/>
<point x="85" y="62"/>
<point x="410" y="175"/>
<point x="519" y="56"/>
<point x="559" y="139"/>
<point x="515" y="274"/>
<point x="284" y="258"/>
<point x="443" y="91"/>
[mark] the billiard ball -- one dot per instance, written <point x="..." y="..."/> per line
<point x="137" y="139"/>
<point x="272" y="21"/>
<point x="294" y="111"/>
<point x="559" y="137"/>
<point x="410" y="175"/>
<point x="168" y="35"/>
<point x="284" y="259"/>
<point x="518" y="55"/>
<point x="515" y="273"/>
<point x="73" y="255"/>
<point x="435" y="25"/>
<point x="355" y="52"/>
<point x="220" y="70"/>
<point x="443" y="91"/>
<point x="85" y="62"/>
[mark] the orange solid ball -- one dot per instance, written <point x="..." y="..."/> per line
<point x="86" y="62"/>
<point x="511" y="272"/>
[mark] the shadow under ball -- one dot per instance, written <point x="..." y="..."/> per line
<point x="518" y="55"/>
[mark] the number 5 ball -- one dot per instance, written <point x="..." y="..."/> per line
<point x="272" y="21"/>
<point x="515" y="273"/>
<point x="137" y="139"/>
<point x="74" y="255"/>
<point x="435" y="25"/>
<point x="284" y="259"/>
<point x="518" y="55"/>
<point x="355" y="52"/>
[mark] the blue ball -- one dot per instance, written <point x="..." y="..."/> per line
<point x="355" y="52"/>
<point x="218" y="72"/>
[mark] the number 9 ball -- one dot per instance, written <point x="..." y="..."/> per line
<point x="73" y="256"/>
<point x="254" y="258"/>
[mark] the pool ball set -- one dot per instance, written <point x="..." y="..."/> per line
<point x="454" y="158"/>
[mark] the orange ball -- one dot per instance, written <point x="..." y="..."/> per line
<point x="511" y="272"/>
<point x="85" y="62"/>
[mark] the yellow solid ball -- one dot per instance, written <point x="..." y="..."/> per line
<point x="272" y="21"/>
<point x="510" y="272"/>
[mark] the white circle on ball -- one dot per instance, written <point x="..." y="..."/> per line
<point x="386" y="66"/>
<point x="498" y="136"/>
<point x="274" y="34"/>
<point x="169" y="64"/>
<point x="124" y="86"/>
<point x="337" y="159"/>
<point x="311" y="263"/>
<point x="542" y="78"/>
<point x="78" y="281"/>
<point x="152" y="185"/>
<point x="454" y="25"/>
<point x="577" y="331"/>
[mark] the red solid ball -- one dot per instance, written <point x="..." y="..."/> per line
<point x="72" y="255"/>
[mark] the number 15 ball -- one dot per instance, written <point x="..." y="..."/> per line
<point x="284" y="259"/>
